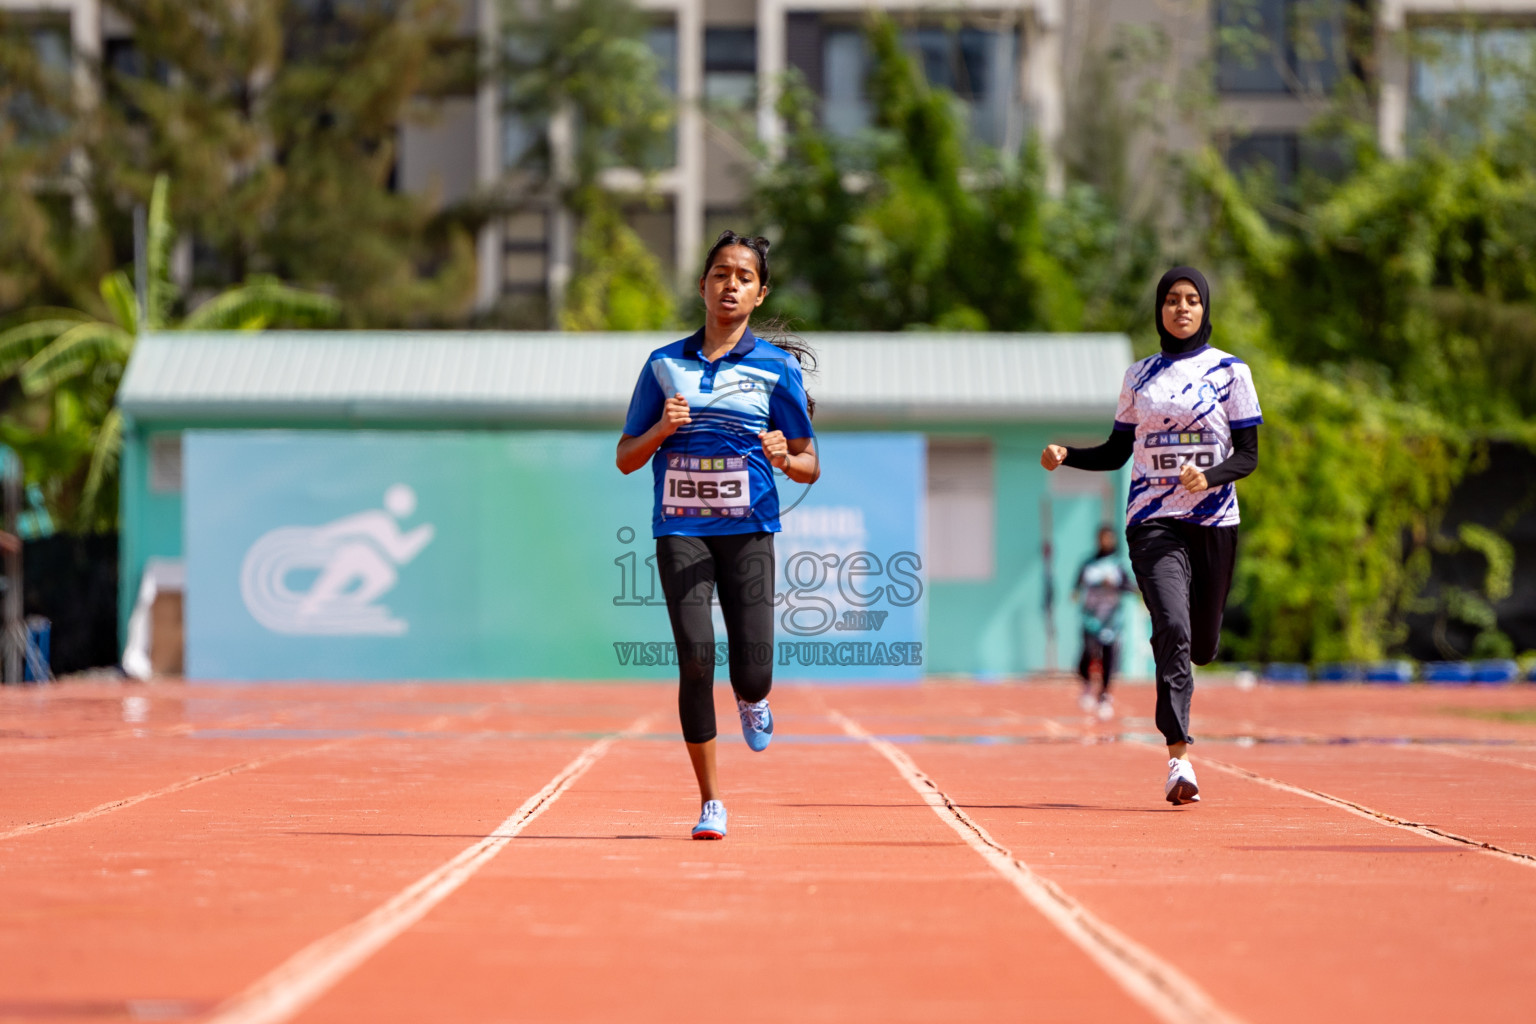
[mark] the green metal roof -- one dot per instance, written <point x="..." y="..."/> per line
<point x="481" y="377"/>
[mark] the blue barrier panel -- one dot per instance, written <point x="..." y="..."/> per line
<point x="1336" y="672"/>
<point x="1454" y="672"/>
<point x="39" y="648"/>
<point x="1389" y="672"/>
<point x="1497" y="670"/>
<point x="1285" y="672"/>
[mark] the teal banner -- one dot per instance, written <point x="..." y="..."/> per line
<point x="380" y="555"/>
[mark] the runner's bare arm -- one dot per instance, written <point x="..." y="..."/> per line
<point x="635" y="452"/>
<point x="795" y="456"/>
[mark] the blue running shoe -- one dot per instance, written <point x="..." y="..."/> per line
<point x="711" y="821"/>
<point x="756" y="723"/>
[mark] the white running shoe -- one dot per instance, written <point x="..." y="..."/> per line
<point x="1182" y="787"/>
<point x="1106" y="709"/>
<point x="1085" y="701"/>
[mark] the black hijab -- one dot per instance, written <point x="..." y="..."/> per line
<point x="1176" y="346"/>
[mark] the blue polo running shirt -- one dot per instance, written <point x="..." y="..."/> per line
<point x="711" y="475"/>
<point x="1183" y="409"/>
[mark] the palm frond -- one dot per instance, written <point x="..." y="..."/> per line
<point x="259" y="303"/>
<point x="105" y="454"/>
<point x="117" y="291"/>
<point x="162" y="236"/>
<point x="20" y="343"/>
<point x="34" y="313"/>
<point x="74" y="352"/>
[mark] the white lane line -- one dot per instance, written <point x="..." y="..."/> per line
<point x="135" y="732"/>
<point x="1055" y="729"/>
<point x="175" y="787"/>
<point x="1159" y="987"/>
<point x="314" y="970"/>
<point x="1380" y="817"/>
<point x="1458" y="752"/>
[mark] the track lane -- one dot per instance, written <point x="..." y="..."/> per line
<point x="1473" y="799"/>
<point x="838" y="896"/>
<point x="1281" y="907"/>
<point x="181" y="901"/>
<point x="1270" y="902"/>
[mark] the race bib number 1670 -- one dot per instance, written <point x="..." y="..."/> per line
<point x="1164" y="454"/>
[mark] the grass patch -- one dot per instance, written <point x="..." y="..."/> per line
<point x="1522" y="716"/>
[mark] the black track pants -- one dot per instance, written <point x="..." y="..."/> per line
<point x="1184" y="572"/>
<point x="691" y="568"/>
<point x="1106" y="654"/>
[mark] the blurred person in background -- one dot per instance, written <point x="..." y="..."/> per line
<point x="1101" y="583"/>
<point x="1190" y="415"/>
<point x="715" y="414"/>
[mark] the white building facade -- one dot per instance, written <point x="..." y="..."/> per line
<point x="1013" y="62"/>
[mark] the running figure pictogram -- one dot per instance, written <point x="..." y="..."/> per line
<point x="355" y="560"/>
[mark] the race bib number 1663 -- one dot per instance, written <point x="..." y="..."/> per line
<point x="706" y="487"/>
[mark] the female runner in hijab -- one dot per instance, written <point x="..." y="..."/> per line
<point x="1190" y="416"/>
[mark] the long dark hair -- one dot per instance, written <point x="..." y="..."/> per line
<point x="774" y="329"/>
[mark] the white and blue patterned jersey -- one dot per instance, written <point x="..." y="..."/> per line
<point x="1183" y="409"/>
<point x="711" y="475"/>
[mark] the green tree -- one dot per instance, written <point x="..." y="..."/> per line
<point x="618" y="285"/>
<point x="1340" y="521"/>
<point x="585" y="87"/>
<point x="1407" y="290"/>
<point x="68" y="364"/>
<point x="1421" y="267"/>
<point x="44" y="254"/>
<point x="278" y="121"/>
<point x="914" y="224"/>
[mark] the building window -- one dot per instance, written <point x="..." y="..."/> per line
<point x="962" y="507"/>
<point x="525" y="253"/>
<point x="662" y="40"/>
<point x="165" y="463"/>
<point x="1287" y="157"/>
<point x="124" y="63"/>
<point x="1280" y="46"/>
<point x="1276" y="151"/>
<point x="523" y="137"/>
<point x="1466" y="80"/>
<point x="34" y="109"/>
<point x="730" y="68"/>
<point x="844" y="64"/>
<point x="980" y="66"/>
<point x="519" y="136"/>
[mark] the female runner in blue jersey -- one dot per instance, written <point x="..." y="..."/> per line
<point x="1191" y="417"/>
<point x="715" y="414"/>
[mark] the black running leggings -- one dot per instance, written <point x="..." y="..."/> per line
<point x="740" y="565"/>
<point x="1106" y="654"/>
<point x="1184" y="572"/>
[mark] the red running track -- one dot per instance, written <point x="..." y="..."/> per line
<point x="950" y="851"/>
